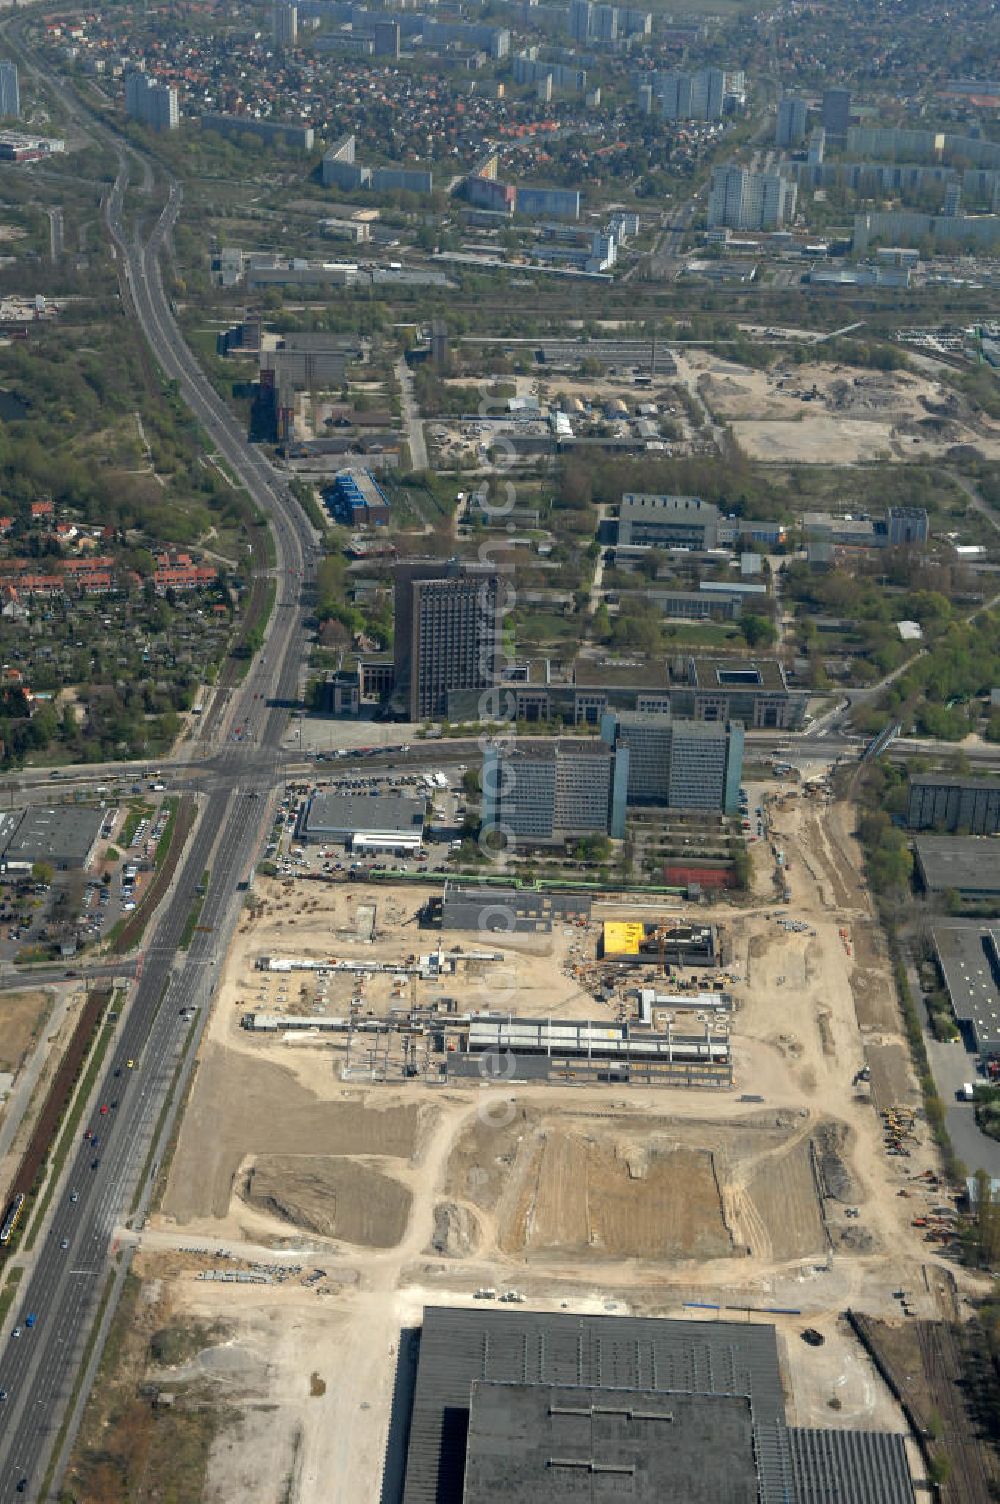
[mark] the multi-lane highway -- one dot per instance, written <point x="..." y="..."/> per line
<point x="40" y="1367"/>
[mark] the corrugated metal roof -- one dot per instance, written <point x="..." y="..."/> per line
<point x="577" y="1446"/>
<point x="849" y="1467"/>
<point x="535" y="1347"/>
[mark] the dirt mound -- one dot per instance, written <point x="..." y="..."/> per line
<point x="239" y="1092"/>
<point x="854" y="1240"/>
<point x="456" y="1230"/>
<point x="835" y="1178"/>
<point x="336" y="1198"/>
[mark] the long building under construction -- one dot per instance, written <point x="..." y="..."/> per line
<point x="439" y="1047"/>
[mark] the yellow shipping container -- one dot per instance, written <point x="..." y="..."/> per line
<point x="622" y="938"/>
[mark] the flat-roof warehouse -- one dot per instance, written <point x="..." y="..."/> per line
<point x="472" y="906"/>
<point x="968" y="865"/>
<point x="383" y="823"/>
<point x="526" y="1405"/>
<point x="64" y="836"/>
<point x="969" y="958"/>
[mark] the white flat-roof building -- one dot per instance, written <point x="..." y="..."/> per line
<point x="363" y="823"/>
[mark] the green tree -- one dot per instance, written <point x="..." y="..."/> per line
<point x="758" y="631"/>
<point x="43" y="872"/>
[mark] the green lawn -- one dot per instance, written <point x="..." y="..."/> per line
<point x="537" y="627"/>
<point x="703" y="634"/>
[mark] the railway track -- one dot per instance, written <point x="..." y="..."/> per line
<point x="970" y="1481"/>
<point x="57" y="1100"/>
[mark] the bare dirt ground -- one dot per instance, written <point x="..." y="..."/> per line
<point x="270" y="1113"/>
<point x="580" y="1197"/>
<point x="52" y="1025"/>
<point x="322" y="922"/>
<point x="336" y="1197"/>
<point x="555" y="1182"/>
<point x="805" y="413"/>
<point x="22" y="1015"/>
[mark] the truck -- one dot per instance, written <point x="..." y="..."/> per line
<point x="967" y="1092"/>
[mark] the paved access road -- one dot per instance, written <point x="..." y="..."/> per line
<point x="40" y="1367"/>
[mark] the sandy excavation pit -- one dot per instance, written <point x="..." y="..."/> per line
<point x="622" y="1186"/>
<point x="804" y="413"/>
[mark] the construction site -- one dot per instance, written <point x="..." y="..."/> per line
<point x="806" y="412"/>
<point x="667" y="1038"/>
<point x="407" y="1116"/>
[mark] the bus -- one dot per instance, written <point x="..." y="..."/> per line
<point x="12" y="1218"/>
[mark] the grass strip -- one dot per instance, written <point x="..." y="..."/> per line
<point x="251" y="639"/>
<point x="172" y="804"/>
<point x="10" y="1290"/>
<point x="155" y="1139"/>
<point x="191" y="923"/>
<point x="305" y="495"/>
<point x="71" y="1123"/>
<point x="138" y="810"/>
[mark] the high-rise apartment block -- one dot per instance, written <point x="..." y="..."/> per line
<point x="10" y="93"/>
<point x="790" y="130"/>
<point x="340" y="169"/>
<point x="605" y="23"/>
<point x="743" y="200"/>
<point x="683" y="764"/>
<point x="447" y="635"/>
<point x="580" y="20"/>
<point x="952" y="200"/>
<point x="692" y="96"/>
<point x="635" y="23"/>
<point x="549" y="791"/>
<point x="286" y="24"/>
<point x="386" y="36"/>
<point x="835" y="113"/>
<point x="151" y="103"/>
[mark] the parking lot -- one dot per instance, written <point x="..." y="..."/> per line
<point x="293" y="856"/>
<point x="39" y="920"/>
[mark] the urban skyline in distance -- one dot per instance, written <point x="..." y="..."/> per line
<point x="500" y="725"/>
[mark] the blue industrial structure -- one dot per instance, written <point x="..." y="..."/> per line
<point x="357" y="500"/>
